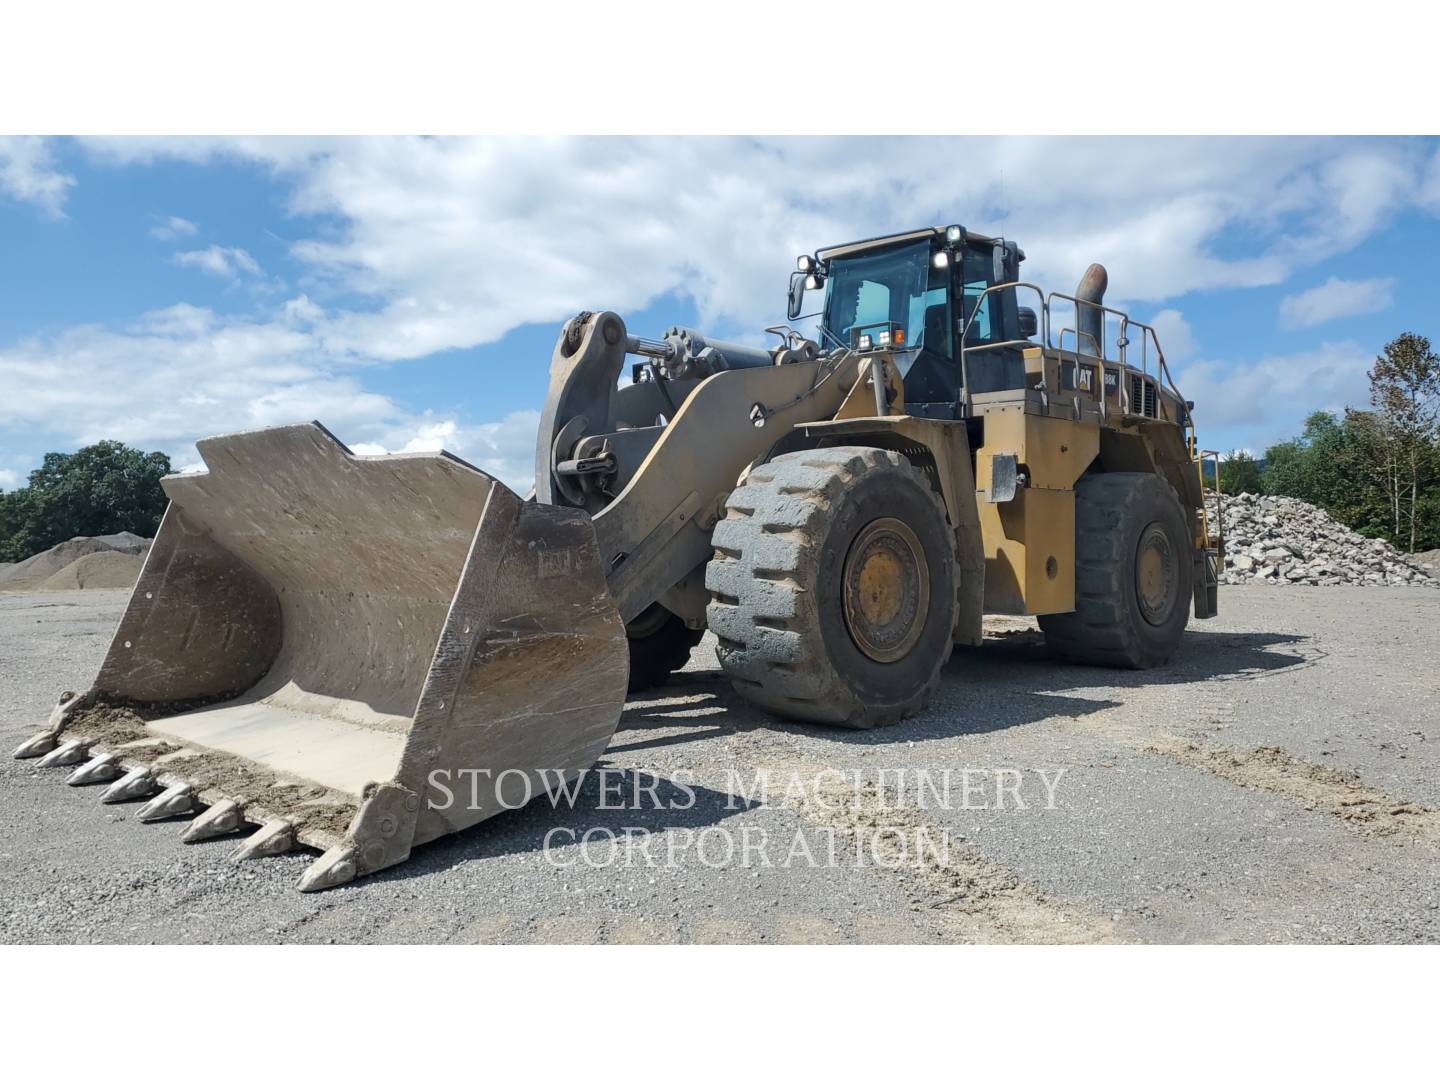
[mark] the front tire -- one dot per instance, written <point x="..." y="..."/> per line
<point x="833" y="587"/>
<point x="1132" y="574"/>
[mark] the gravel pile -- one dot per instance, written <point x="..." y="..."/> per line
<point x="1429" y="561"/>
<point x="36" y="571"/>
<point x="1282" y="541"/>
<point x="98" y="570"/>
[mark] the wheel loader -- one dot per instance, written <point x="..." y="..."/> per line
<point x="359" y="654"/>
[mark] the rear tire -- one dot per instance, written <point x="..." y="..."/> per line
<point x="1132" y="574"/>
<point x="833" y="587"/>
<point x="660" y="644"/>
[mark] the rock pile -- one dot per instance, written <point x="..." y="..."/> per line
<point x="1276" y="540"/>
<point x="86" y="562"/>
<point x="98" y="570"/>
<point x="1429" y="561"/>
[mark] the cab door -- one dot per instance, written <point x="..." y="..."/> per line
<point x="988" y="320"/>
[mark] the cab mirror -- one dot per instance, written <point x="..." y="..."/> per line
<point x="1029" y="323"/>
<point x="797" y="295"/>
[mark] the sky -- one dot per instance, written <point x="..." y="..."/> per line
<point x="407" y="292"/>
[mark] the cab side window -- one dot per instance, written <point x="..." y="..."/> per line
<point x="977" y="274"/>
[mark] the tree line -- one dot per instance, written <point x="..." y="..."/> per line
<point x="101" y="489"/>
<point x="1375" y="470"/>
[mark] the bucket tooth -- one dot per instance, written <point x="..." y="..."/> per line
<point x="222" y="817"/>
<point x="42" y="743"/>
<point x="70" y="752"/>
<point x="38" y="745"/>
<point x="100" y="769"/>
<point x="335" y="867"/>
<point x="137" y="783"/>
<point x="175" y="800"/>
<point x="273" y="838"/>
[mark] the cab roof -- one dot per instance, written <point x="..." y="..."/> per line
<point x="857" y="246"/>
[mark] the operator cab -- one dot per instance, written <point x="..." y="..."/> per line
<point x="914" y="294"/>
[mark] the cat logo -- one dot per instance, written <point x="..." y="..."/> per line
<point x="1085" y="378"/>
<point x="555" y="563"/>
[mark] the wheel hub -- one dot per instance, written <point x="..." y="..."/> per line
<point x="1155" y="575"/>
<point x="886" y="590"/>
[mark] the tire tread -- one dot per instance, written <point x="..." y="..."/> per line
<point x="763" y="610"/>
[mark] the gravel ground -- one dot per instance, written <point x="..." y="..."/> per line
<point x="1279" y="782"/>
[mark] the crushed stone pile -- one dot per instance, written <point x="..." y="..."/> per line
<point x="1277" y="540"/>
<point x="34" y="573"/>
<point x="1429" y="561"/>
<point x="98" y="570"/>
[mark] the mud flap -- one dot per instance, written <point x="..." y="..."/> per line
<point x="358" y="654"/>
<point x="1205" y="573"/>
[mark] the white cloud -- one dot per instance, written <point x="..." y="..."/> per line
<point x="172" y="228"/>
<point x="451" y="243"/>
<point x="178" y="320"/>
<point x="9" y="479"/>
<point x="458" y="241"/>
<point x="1176" y="337"/>
<point x="1336" y="299"/>
<point x="505" y="448"/>
<point x="227" y="262"/>
<point x="183" y="372"/>
<point x="1429" y="195"/>
<point x="28" y="173"/>
<point x="1261" y="402"/>
<point x="177" y="374"/>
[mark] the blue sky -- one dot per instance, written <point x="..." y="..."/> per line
<point x="407" y="292"/>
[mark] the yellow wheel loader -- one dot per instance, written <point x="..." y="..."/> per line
<point x="359" y="654"/>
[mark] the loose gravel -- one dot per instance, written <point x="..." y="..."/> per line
<point x="1278" y="782"/>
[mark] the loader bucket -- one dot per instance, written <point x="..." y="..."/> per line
<point x="357" y="654"/>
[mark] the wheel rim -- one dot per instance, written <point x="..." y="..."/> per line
<point x="886" y="590"/>
<point x="1155" y="575"/>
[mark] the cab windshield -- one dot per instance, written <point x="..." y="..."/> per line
<point x="894" y="285"/>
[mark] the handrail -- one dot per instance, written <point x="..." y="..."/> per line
<point x="1200" y="459"/>
<point x="1078" y="335"/>
<point x="1098" y="392"/>
<point x="1147" y="339"/>
<point x="1162" y="369"/>
<point x="1023" y="342"/>
<point x="1102" y="352"/>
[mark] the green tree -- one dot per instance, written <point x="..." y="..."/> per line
<point x="1346" y="465"/>
<point x="1367" y="506"/>
<point x="1239" y="473"/>
<point x="100" y="489"/>
<point x="1309" y="467"/>
<point x="1405" y="391"/>
<point x="15" y="514"/>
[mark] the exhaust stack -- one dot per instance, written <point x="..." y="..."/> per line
<point x="1090" y="321"/>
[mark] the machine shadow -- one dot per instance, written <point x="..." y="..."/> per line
<point x="1009" y="681"/>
